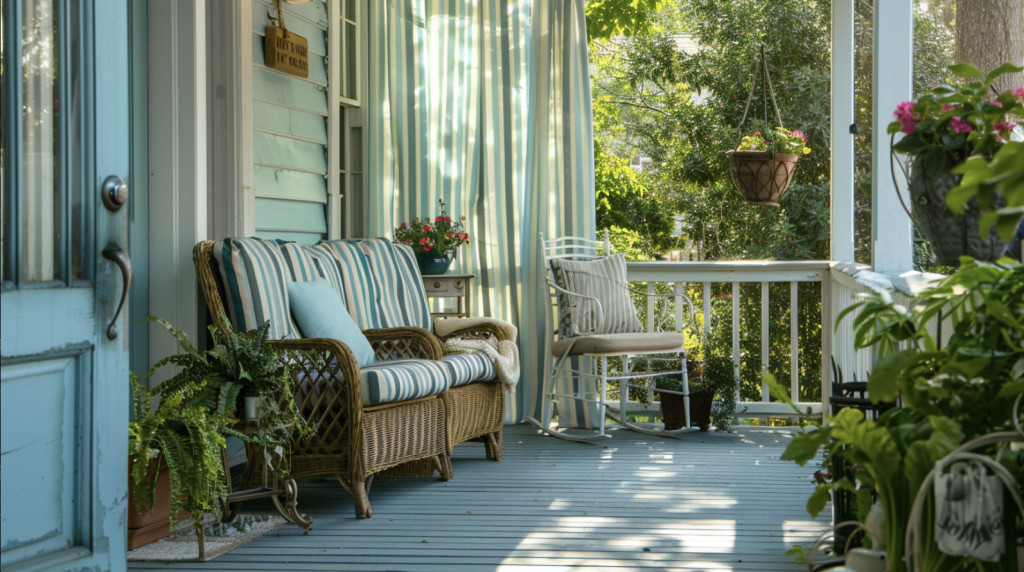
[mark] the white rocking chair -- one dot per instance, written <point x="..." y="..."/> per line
<point x="586" y="322"/>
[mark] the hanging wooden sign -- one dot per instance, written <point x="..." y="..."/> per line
<point x="286" y="52"/>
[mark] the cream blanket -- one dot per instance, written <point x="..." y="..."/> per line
<point x="504" y="353"/>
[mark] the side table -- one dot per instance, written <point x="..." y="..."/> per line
<point x="450" y="286"/>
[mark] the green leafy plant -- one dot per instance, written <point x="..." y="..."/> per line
<point x="968" y="127"/>
<point x="189" y="439"/>
<point x="240" y="365"/>
<point x="780" y="140"/>
<point x="951" y="394"/>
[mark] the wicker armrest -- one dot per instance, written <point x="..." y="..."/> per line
<point x="403" y="343"/>
<point x="328" y="396"/>
<point x="453" y="328"/>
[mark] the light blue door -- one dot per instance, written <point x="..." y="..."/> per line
<point x="64" y="356"/>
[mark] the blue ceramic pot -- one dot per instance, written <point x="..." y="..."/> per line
<point x="432" y="265"/>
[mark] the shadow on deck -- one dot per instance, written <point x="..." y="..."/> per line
<point x="710" y="502"/>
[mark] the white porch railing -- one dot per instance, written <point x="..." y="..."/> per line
<point x="841" y="284"/>
<point x="763" y="273"/>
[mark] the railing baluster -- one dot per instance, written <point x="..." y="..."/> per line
<point x="707" y="310"/>
<point x="794" y="348"/>
<point x="826" y="342"/>
<point x="679" y="307"/>
<point x="650" y="307"/>
<point x="736" y="334"/>
<point x="765" y="397"/>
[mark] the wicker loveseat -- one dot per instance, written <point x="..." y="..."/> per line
<point x="402" y="414"/>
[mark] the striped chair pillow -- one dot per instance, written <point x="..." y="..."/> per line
<point x="254" y="275"/>
<point x="402" y="297"/>
<point x="360" y="287"/>
<point x="308" y="263"/>
<point x="604" y="279"/>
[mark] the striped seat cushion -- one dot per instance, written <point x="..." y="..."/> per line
<point x="401" y="296"/>
<point x="254" y="274"/>
<point x="467" y="368"/>
<point x="402" y="380"/>
<point x="308" y="263"/>
<point x="604" y="279"/>
<point x="360" y="287"/>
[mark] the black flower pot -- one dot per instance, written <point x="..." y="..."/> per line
<point x="433" y="265"/>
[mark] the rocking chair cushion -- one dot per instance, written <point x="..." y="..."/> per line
<point x="632" y="344"/>
<point x="603" y="279"/>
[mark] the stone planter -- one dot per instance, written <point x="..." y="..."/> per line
<point x="673" y="410"/>
<point x="950" y="235"/>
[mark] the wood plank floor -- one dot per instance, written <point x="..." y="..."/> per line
<point x="712" y="502"/>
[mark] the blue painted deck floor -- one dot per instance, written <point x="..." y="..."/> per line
<point x="714" y="502"/>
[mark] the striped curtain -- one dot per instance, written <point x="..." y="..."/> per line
<point x="502" y="120"/>
<point x="559" y="196"/>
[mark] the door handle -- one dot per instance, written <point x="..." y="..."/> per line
<point x="120" y="258"/>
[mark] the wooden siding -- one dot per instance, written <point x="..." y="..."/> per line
<point x="718" y="502"/>
<point x="290" y="131"/>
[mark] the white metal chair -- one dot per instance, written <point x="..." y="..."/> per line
<point x="586" y="321"/>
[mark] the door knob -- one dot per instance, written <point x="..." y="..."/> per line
<point x="115" y="193"/>
<point x="120" y="258"/>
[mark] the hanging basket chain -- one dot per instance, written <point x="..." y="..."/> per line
<point x="760" y="65"/>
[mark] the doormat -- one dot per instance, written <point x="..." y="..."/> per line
<point x="183" y="544"/>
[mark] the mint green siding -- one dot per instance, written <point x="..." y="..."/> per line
<point x="290" y="130"/>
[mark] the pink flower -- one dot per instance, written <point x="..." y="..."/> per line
<point x="424" y="240"/>
<point x="997" y="103"/>
<point x="405" y="225"/>
<point x="757" y="133"/>
<point x="960" y="126"/>
<point x="905" y="115"/>
<point x="426" y="228"/>
<point x="799" y="133"/>
<point x="1003" y="128"/>
<point x="1019" y="94"/>
<point x="427" y="248"/>
<point x="464" y="237"/>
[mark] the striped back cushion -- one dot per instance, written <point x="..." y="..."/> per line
<point x="254" y="275"/>
<point x="308" y="264"/>
<point x="360" y="287"/>
<point x="604" y="279"/>
<point x="402" y="298"/>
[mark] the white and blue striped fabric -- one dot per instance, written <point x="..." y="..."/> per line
<point x="486" y="105"/>
<point x="255" y="277"/>
<point x="402" y="380"/>
<point x="308" y="263"/>
<point x="467" y="368"/>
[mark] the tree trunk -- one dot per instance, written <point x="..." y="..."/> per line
<point x="990" y="33"/>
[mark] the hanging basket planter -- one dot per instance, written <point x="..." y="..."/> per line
<point x="759" y="171"/>
<point x="760" y="177"/>
<point x="949" y="234"/>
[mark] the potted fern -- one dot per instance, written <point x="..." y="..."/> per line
<point x="176" y="447"/>
<point x="175" y="464"/>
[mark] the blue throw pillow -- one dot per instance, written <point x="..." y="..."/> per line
<point x="320" y="313"/>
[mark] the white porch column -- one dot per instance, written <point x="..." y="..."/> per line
<point x="842" y="138"/>
<point x="177" y="166"/>
<point x="892" y="249"/>
<point x="232" y="199"/>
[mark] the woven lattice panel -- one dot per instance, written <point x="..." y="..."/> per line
<point x="476" y="409"/>
<point x="758" y="177"/>
<point x="403" y="433"/>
